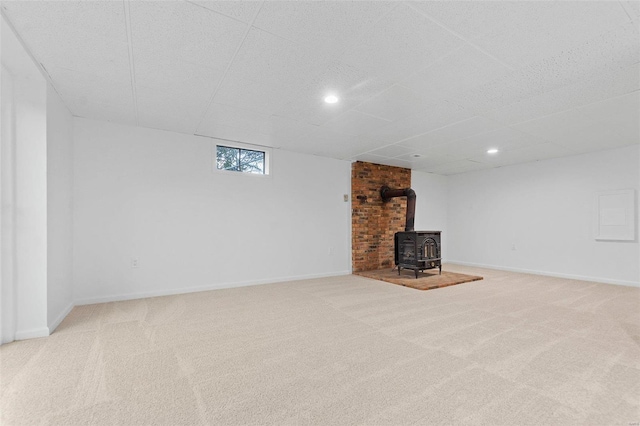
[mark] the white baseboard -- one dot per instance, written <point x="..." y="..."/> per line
<point x="170" y="292"/>
<point x="549" y="274"/>
<point x="32" y="334"/>
<point x="60" y="317"/>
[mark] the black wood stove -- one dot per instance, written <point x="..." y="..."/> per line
<point x="416" y="250"/>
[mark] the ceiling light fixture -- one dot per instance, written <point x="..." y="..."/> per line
<point x="417" y="155"/>
<point x="492" y="151"/>
<point x="331" y="99"/>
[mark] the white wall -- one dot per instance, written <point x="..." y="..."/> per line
<point x="59" y="204"/>
<point x="35" y="178"/>
<point x="431" y="205"/>
<point x="546" y="209"/>
<point x="24" y="205"/>
<point x="31" y="207"/>
<point x="154" y="196"/>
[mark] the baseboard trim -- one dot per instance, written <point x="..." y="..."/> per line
<point x="61" y="317"/>
<point x="32" y="334"/>
<point x="170" y="292"/>
<point x="549" y="274"/>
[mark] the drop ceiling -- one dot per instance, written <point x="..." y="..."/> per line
<point x="425" y="85"/>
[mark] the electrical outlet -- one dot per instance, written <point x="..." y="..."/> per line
<point x="330" y="250"/>
<point x="134" y="262"/>
<point x="513" y="247"/>
<point x="346" y="197"/>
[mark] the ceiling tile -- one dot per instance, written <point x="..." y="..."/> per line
<point x="441" y="79"/>
<point x="462" y="129"/>
<point x="391" y="151"/>
<point x="92" y="89"/>
<point x="354" y="123"/>
<point x="87" y="37"/>
<point x="581" y="93"/>
<point x="575" y="131"/>
<point x="455" y="167"/>
<point x="459" y="71"/>
<point x="184" y="32"/>
<point x="395" y="103"/>
<point x="168" y="110"/>
<point x="504" y="138"/>
<point x="400" y="43"/>
<point x="524" y="32"/>
<point x="267" y="72"/>
<point x="525" y="154"/>
<point x="549" y="127"/>
<point x="351" y="85"/>
<point x="438" y="114"/>
<point x="319" y="141"/>
<point x="83" y="107"/>
<point x="168" y="74"/>
<point x="632" y="7"/>
<point x="241" y="10"/>
<point x="621" y="114"/>
<point x="219" y="115"/>
<point x="327" y="27"/>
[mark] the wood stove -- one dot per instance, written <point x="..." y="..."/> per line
<point x="417" y="250"/>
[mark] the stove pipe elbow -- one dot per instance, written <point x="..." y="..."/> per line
<point x="387" y="194"/>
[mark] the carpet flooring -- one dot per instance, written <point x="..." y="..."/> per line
<point x="427" y="280"/>
<point x="512" y="349"/>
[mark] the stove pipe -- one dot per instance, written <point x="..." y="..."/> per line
<point x="387" y="194"/>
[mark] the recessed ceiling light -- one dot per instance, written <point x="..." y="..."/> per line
<point x="417" y="155"/>
<point x="492" y="151"/>
<point x="331" y="99"/>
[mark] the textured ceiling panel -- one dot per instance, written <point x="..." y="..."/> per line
<point x="523" y="32"/>
<point x="351" y="84"/>
<point x="241" y="10"/>
<point x="325" y="27"/>
<point x="395" y="103"/>
<point x="540" y="151"/>
<point x="461" y="70"/>
<point x="354" y="123"/>
<point x="581" y="93"/>
<point x="438" y="114"/>
<point x="618" y="114"/>
<point x="184" y="32"/>
<point x="87" y="37"/>
<point x="399" y="44"/>
<point x="441" y="79"/>
<point x="267" y="71"/>
<point x="575" y="130"/>
<point x="391" y="151"/>
<point x="462" y="129"/>
<point x="91" y="89"/>
<point x="168" y="110"/>
<point x="165" y="73"/>
<point x="460" y="166"/>
<point x="123" y="114"/>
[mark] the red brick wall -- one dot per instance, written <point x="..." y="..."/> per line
<point x="373" y="222"/>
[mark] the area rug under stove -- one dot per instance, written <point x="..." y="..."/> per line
<point x="426" y="280"/>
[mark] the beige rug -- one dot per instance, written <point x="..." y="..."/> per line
<point x="427" y="280"/>
<point x="512" y="349"/>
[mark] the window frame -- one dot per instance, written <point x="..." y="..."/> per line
<point x="246" y="147"/>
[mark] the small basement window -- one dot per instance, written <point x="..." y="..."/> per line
<point x="238" y="159"/>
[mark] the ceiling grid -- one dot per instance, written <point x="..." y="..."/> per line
<point x="426" y="85"/>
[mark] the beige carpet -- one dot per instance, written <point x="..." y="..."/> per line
<point x="427" y="280"/>
<point x="512" y="349"/>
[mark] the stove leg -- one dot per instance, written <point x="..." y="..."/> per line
<point x="440" y="266"/>
<point x="399" y="270"/>
<point x="416" y="274"/>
